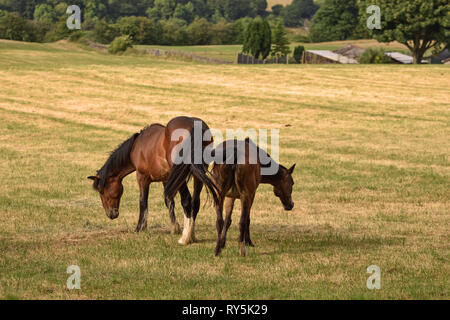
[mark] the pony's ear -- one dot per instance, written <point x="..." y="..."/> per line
<point x="291" y="169"/>
<point x="92" y="178"/>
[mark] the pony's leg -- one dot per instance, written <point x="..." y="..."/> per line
<point x="229" y="204"/>
<point x="219" y="224"/>
<point x="175" y="227"/>
<point x="246" y="205"/>
<point x="188" y="229"/>
<point x="144" y="186"/>
<point x="248" y="241"/>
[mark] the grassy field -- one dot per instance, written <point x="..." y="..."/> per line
<point x="371" y="145"/>
<point x="229" y="52"/>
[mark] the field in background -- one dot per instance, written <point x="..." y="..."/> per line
<point x="372" y="178"/>
<point x="229" y="52"/>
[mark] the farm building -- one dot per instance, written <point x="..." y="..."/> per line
<point x="326" y="56"/>
<point x="400" y="57"/>
<point x="440" y="58"/>
<point x="350" y="51"/>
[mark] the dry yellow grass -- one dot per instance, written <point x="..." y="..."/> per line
<point x="372" y="179"/>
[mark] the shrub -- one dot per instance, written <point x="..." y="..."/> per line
<point x="374" y="55"/>
<point x="120" y="44"/>
<point x="298" y="53"/>
<point x="104" y="33"/>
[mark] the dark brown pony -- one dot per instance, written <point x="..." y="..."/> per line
<point x="149" y="153"/>
<point x="239" y="179"/>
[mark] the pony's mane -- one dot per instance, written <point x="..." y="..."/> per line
<point x="119" y="158"/>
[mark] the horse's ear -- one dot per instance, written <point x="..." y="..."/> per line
<point x="92" y="178"/>
<point x="291" y="169"/>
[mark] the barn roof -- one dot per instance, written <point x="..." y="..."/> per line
<point x="400" y="57"/>
<point x="332" y="56"/>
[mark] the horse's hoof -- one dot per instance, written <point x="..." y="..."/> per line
<point x="184" y="242"/>
<point x="250" y="243"/>
<point x="217" y="251"/>
<point x="242" y="249"/>
<point x="175" y="229"/>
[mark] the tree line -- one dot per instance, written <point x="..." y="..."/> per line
<point x="419" y="25"/>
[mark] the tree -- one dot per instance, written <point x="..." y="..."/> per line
<point x="13" y="27"/>
<point x="45" y="13"/>
<point x="185" y="12"/>
<point x="140" y="29"/>
<point x="258" y="38"/>
<point x="259" y="7"/>
<point x="199" y="32"/>
<point x="280" y="42"/>
<point x="235" y="9"/>
<point x="104" y="33"/>
<point x="297" y="11"/>
<point x="335" y="20"/>
<point x="298" y="53"/>
<point x="277" y="9"/>
<point x="419" y="25"/>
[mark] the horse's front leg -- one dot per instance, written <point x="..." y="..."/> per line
<point x="144" y="186"/>
<point x="219" y="225"/>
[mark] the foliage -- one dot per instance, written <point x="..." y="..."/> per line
<point x="419" y="25"/>
<point x="120" y="44"/>
<point x="277" y="9"/>
<point x="104" y="32"/>
<point x="374" y="55"/>
<point x="335" y="20"/>
<point x="297" y="11"/>
<point x="258" y="38"/>
<point x="298" y="53"/>
<point x="140" y="29"/>
<point x="280" y="42"/>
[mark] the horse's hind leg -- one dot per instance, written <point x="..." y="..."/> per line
<point x="198" y="186"/>
<point x="188" y="230"/>
<point x="229" y="204"/>
<point x="175" y="227"/>
<point x="144" y="186"/>
<point x="246" y="205"/>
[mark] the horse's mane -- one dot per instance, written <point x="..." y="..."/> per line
<point x="119" y="158"/>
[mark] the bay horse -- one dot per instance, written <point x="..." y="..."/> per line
<point x="238" y="177"/>
<point x="149" y="153"/>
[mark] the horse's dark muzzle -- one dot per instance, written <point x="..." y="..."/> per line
<point x="113" y="214"/>
<point x="289" y="207"/>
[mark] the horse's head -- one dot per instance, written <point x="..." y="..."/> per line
<point x="110" y="193"/>
<point x="283" y="188"/>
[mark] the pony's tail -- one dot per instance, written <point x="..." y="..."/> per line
<point x="182" y="172"/>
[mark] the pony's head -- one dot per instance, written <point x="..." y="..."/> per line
<point x="283" y="187"/>
<point x="110" y="191"/>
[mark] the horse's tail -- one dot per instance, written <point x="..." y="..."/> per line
<point x="181" y="173"/>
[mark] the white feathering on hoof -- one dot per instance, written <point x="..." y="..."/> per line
<point x="186" y="237"/>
